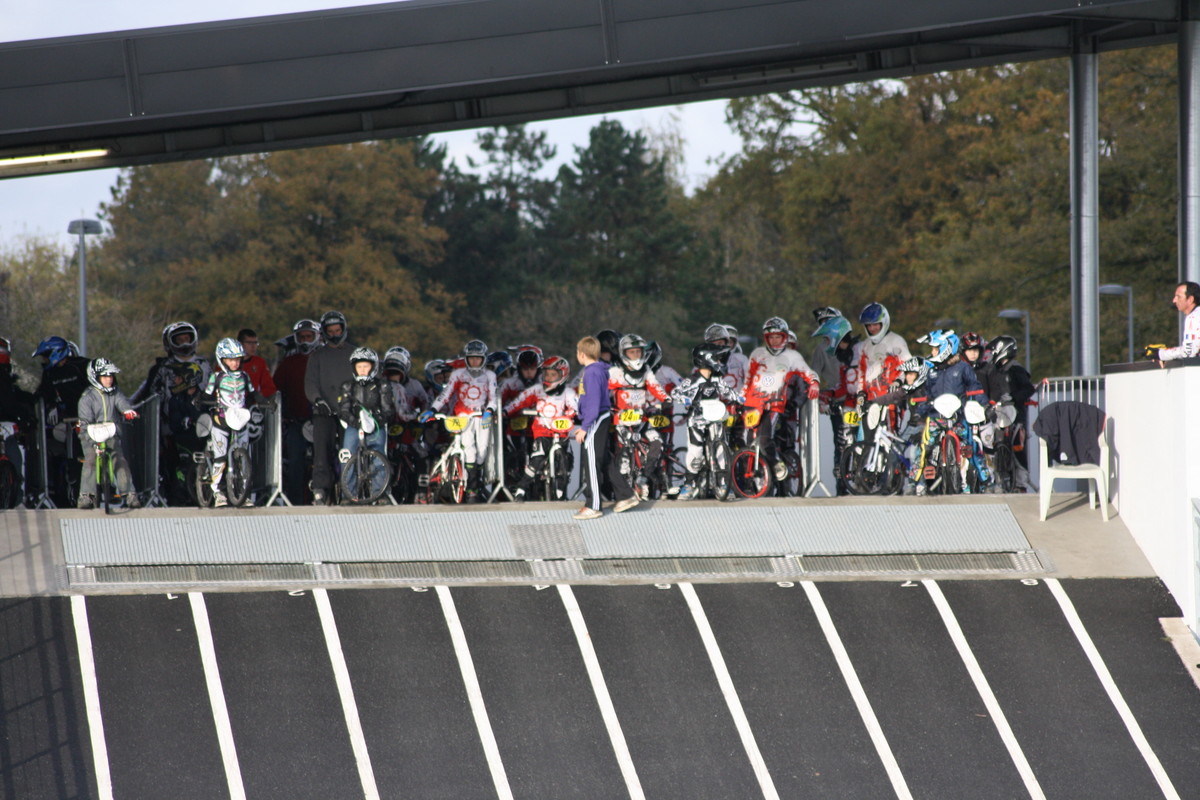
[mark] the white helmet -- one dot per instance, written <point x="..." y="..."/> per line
<point x="229" y="348"/>
<point x="474" y="348"/>
<point x="368" y="355"/>
<point x="98" y="368"/>
<point x="873" y="313"/>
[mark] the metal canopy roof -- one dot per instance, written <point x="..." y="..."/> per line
<point x="298" y="80"/>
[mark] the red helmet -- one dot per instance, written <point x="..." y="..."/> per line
<point x="556" y="363"/>
<point x="972" y="339"/>
<point x="528" y="355"/>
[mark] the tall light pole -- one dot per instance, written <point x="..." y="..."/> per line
<point x="1016" y="313"/>
<point x="83" y="227"/>
<point x="1116" y="288"/>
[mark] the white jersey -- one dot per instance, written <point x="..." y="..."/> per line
<point x="411" y="399"/>
<point x="876" y="365"/>
<point x="668" y="378"/>
<point x="1191" y="339"/>
<point x="770" y="376"/>
<point x="470" y="393"/>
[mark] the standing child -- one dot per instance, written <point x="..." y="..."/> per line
<point x="366" y="391"/>
<point x="471" y="389"/>
<point x="594" y="423"/>
<point x="228" y="388"/>
<point x="101" y="403"/>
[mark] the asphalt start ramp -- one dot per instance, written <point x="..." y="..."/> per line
<point x="541" y="544"/>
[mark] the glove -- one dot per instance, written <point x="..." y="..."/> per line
<point x="1152" y="352"/>
<point x="814" y="391"/>
<point x="487" y="418"/>
<point x="322" y="407"/>
<point x="131" y="414"/>
<point x="426" y="415"/>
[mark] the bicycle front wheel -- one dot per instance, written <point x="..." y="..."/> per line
<point x="366" y="477"/>
<point x="10" y="485"/>
<point x="237" y="476"/>
<point x="454" y="483"/>
<point x="751" y="474"/>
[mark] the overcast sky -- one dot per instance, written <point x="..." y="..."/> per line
<point x="45" y="204"/>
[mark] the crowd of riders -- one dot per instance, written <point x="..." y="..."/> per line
<point x="739" y="413"/>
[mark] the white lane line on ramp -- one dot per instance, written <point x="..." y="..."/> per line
<point x="1110" y="686"/>
<point x="856" y="691"/>
<point x="216" y="697"/>
<point x="607" y="710"/>
<point x="475" y="694"/>
<point x="341" y="674"/>
<point x="985" y="690"/>
<point x="730" y="691"/>
<point x="91" y="696"/>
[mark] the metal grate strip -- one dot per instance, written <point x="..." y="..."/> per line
<point x="561" y="540"/>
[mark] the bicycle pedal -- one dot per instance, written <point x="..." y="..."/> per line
<point x="344" y="456"/>
<point x="423" y="480"/>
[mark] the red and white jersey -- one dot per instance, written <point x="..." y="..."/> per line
<point x="668" y="378"/>
<point x="874" y="367"/>
<point x="410" y="397"/>
<point x="512" y="386"/>
<point x="470" y="393"/>
<point x="629" y="391"/>
<point x="737" y="369"/>
<point x="559" y="405"/>
<point x="767" y="384"/>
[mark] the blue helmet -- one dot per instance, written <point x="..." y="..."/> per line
<point x="945" y="343"/>
<point x="55" y="349"/>
<point x="876" y="313"/>
<point x="499" y="362"/>
<point x="834" y="329"/>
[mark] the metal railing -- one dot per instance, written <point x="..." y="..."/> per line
<point x="1084" y="388"/>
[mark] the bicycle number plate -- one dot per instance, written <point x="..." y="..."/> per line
<point x="851" y="418"/>
<point x="456" y="424"/>
<point x="102" y="431"/>
<point x="518" y="423"/>
<point x="630" y="416"/>
<point x="712" y="410"/>
<point x="8" y="429"/>
<point x="237" y="417"/>
<point x="660" y="421"/>
<point x="930" y="472"/>
<point x="752" y="418"/>
<point x="561" y="424"/>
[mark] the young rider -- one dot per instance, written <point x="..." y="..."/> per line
<point x="772" y="367"/>
<point x="952" y="375"/>
<point x="738" y="365"/>
<point x="368" y="392"/>
<point x="228" y="387"/>
<point x="471" y="389"/>
<point x="104" y="402"/>
<point x="553" y="399"/>
<point x="707" y="384"/>
<point x="634" y="388"/>
<point x="876" y="359"/>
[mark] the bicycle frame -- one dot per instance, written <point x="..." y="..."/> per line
<point x="439" y="474"/>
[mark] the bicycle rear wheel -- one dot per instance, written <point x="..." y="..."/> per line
<point x="454" y="482"/>
<point x="10" y="485"/>
<point x="365" y="479"/>
<point x="950" y="467"/>
<point x="1005" y="467"/>
<point x="750" y="473"/>
<point x="238" y="476"/>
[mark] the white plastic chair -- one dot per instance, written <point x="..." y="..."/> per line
<point x="1096" y="473"/>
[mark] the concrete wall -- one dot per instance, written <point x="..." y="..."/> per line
<point x="1155" y="424"/>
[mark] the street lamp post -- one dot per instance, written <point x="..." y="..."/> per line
<point x="1116" y="288"/>
<point x="83" y="227"/>
<point x="1016" y="313"/>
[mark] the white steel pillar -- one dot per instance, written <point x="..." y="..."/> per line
<point x="1085" y="206"/>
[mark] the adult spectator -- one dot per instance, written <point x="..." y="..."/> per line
<point x="327" y="369"/>
<point x="255" y="365"/>
<point x="296" y="410"/>
<point x="1187" y="295"/>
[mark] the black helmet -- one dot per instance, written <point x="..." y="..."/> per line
<point x="99" y="368"/>
<point x="825" y="312"/>
<point x="711" y="356"/>
<point x="610" y="342"/>
<point x="334" y="318"/>
<point x="653" y="356"/>
<point x="1002" y="348"/>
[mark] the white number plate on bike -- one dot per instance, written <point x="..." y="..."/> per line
<point x="712" y="410"/>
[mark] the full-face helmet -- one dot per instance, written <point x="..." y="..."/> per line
<point x="716" y="334"/>
<point x="98" y="368"/>
<point x="300" y="332"/>
<point x="944" y="343"/>
<point x="334" y="318"/>
<point x="633" y="365"/>
<point x="1003" y="349"/>
<point x="654" y="356"/>
<point x="873" y="313"/>
<point x="434" y="370"/>
<point x="834" y="329"/>
<point x="500" y="362"/>
<point x="711" y="356"/>
<point x="397" y="359"/>
<point x="364" y="355"/>
<point x="920" y="368"/>
<point x="528" y="355"/>
<point x="179" y="339"/>
<point x="54" y="348"/>
<point x="229" y="348"/>
<point x="791" y="340"/>
<point x="559" y="364"/>
<point x="774" y="332"/>
<point x="610" y="342"/>
<point x="475" y="349"/>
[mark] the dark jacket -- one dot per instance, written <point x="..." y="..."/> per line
<point x="327" y="369"/>
<point x="957" y="379"/>
<point x="63" y="384"/>
<point x="1070" y="431"/>
<point x="374" y="395"/>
